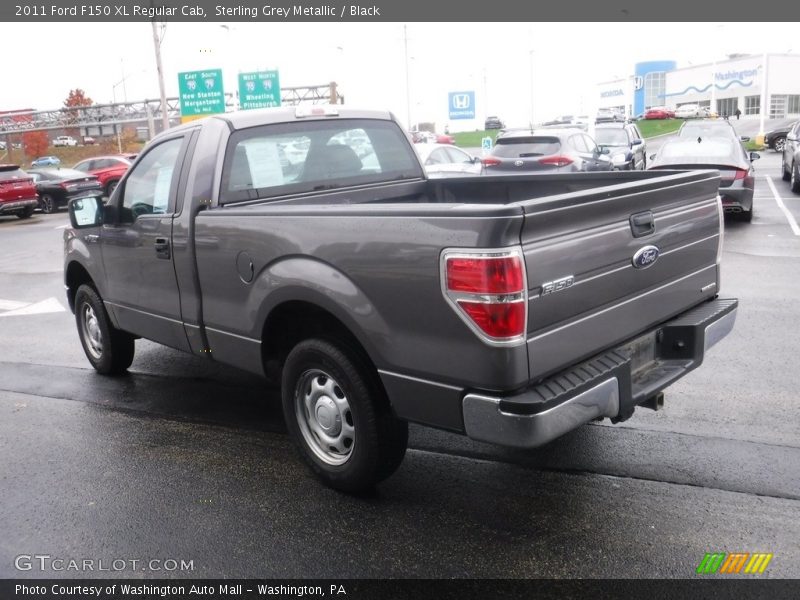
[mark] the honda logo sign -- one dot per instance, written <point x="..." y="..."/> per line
<point x="461" y="105"/>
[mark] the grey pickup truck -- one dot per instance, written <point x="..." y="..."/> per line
<point x="307" y="245"/>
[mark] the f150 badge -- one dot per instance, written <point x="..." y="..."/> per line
<point x="557" y="285"/>
<point x="645" y="257"/>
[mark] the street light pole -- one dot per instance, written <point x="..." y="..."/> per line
<point x="157" y="47"/>
<point x="408" y="89"/>
<point x="530" y="72"/>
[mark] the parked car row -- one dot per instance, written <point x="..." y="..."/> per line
<point x="776" y="138"/>
<point x="49" y="187"/>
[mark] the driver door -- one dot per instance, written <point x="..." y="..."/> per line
<point x="141" y="286"/>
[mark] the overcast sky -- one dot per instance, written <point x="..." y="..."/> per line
<point x="496" y="60"/>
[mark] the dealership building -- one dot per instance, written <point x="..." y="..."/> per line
<point x="749" y="83"/>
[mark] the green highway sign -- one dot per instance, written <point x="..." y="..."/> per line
<point x="259" y="90"/>
<point x="201" y="93"/>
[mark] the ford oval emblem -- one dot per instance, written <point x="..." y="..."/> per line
<point x="645" y="257"/>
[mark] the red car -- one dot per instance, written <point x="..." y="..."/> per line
<point x="108" y="169"/>
<point x="443" y="138"/>
<point x="659" y="112"/>
<point x="17" y="192"/>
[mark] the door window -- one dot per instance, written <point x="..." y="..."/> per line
<point x="147" y="189"/>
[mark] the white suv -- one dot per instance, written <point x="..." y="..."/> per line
<point x="65" y="140"/>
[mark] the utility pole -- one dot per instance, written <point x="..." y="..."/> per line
<point x="408" y="89"/>
<point x="157" y="47"/>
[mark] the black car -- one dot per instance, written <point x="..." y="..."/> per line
<point x="724" y="154"/>
<point x="627" y="147"/>
<point x="56" y="187"/>
<point x="493" y="123"/>
<point x="541" y="150"/>
<point x="776" y="139"/>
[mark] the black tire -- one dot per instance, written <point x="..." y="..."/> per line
<point x="746" y="215"/>
<point x="355" y="405"/>
<point x="785" y="173"/>
<point x="795" y="178"/>
<point x="26" y="212"/>
<point x="48" y="204"/>
<point x="110" y="187"/>
<point x="778" y="144"/>
<point x="109" y="350"/>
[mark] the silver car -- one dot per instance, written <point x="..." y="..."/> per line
<point x="559" y="150"/>
<point x="627" y="147"/>
<point x="790" y="158"/>
<point x="446" y="159"/>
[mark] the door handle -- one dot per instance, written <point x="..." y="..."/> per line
<point x="642" y="224"/>
<point x="162" y="248"/>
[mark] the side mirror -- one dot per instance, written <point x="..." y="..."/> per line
<point x="86" y="212"/>
<point x="475" y="160"/>
<point x="636" y="142"/>
<point x="754" y="156"/>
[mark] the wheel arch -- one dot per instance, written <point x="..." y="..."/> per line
<point x="75" y="276"/>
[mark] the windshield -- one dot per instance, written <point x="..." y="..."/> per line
<point x="611" y="137"/>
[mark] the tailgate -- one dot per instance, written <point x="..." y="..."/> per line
<point x="585" y="294"/>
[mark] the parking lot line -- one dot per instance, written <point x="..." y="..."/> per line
<point x="782" y="206"/>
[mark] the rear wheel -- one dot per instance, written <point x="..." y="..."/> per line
<point x="108" y="349"/>
<point x="339" y="416"/>
<point x="48" y="204"/>
<point x="26" y="212"/>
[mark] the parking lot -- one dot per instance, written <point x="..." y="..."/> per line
<point x="186" y="460"/>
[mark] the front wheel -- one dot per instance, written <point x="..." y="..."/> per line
<point x="108" y="349"/>
<point x="779" y="144"/>
<point x="339" y="416"/>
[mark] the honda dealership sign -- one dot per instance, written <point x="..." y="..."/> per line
<point x="461" y="105"/>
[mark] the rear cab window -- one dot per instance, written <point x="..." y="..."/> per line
<point x="271" y="161"/>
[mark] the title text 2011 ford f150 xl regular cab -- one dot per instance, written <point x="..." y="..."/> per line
<point x="308" y="245"/>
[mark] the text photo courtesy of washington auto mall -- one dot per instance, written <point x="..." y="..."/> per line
<point x="380" y="301"/>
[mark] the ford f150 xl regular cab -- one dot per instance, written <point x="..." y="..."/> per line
<point x="308" y="245"/>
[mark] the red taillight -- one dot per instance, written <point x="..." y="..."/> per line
<point x="497" y="320"/>
<point x="557" y="161"/>
<point x="740" y="174"/>
<point x="485" y="275"/>
<point x="490" y="161"/>
<point x="489" y="291"/>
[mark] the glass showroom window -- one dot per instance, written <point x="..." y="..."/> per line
<point x="794" y="104"/>
<point x="752" y="105"/>
<point x="727" y="106"/>
<point x="655" y="85"/>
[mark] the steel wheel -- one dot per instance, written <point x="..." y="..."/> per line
<point x="324" y="416"/>
<point x="91" y="332"/>
<point x="108" y="349"/>
<point x="338" y="415"/>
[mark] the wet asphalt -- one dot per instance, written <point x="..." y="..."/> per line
<point x="186" y="460"/>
